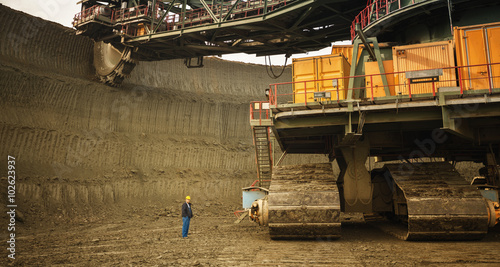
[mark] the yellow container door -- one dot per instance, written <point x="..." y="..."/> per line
<point x="493" y="34"/>
<point x="476" y="78"/>
<point x="331" y="68"/>
<point x="375" y="82"/>
<point x="304" y="71"/>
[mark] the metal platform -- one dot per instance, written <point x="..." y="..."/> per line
<point x="262" y="27"/>
<point x="469" y="118"/>
<point x="388" y="18"/>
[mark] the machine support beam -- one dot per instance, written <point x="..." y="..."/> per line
<point x="152" y="20"/>
<point x="355" y="181"/>
<point x="207" y="8"/>
<point x="375" y="55"/>
<point x="339" y="14"/>
<point x="363" y="39"/>
<point x="381" y="68"/>
<point x="355" y="52"/>
<point x="164" y="15"/>
<point x="302" y="17"/>
<point x="280" y="160"/>
<point x="184" y="4"/>
<point x="231" y="10"/>
<point x="456" y="126"/>
<point x="236" y="23"/>
<point x="370" y="118"/>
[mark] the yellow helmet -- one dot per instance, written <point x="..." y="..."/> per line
<point x="188" y="197"/>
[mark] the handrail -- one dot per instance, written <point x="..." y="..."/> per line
<point x="460" y="77"/>
<point x="260" y="111"/>
<point x="128" y="13"/>
<point x="374" y="10"/>
<point x="199" y="17"/>
<point x="93" y="12"/>
<point x="194" y="17"/>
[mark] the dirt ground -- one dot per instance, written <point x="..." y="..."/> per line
<point x="151" y="237"/>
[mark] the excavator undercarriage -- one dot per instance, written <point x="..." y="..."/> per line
<point x="396" y="113"/>
<point x="436" y="203"/>
<point x="425" y="201"/>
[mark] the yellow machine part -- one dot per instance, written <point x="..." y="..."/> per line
<point x="375" y="81"/>
<point x="342" y="49"/>
<point x="346" y="50"/>
<point x="141" y="30"/>
<point x="493" y="212"/>
<point x="433" y="55"/>
<point x="307" y="72"/>
<point x="497" y="211"/>
<point x="476" y="45"/>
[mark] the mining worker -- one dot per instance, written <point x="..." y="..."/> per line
<point x="187" y="214"/>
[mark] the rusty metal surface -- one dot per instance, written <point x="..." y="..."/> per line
<point x="304" y="202"/>
<point x="441" y="204"/>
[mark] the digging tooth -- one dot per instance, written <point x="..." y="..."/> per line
<point x="112" y="64"/>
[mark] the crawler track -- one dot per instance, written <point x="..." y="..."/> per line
<point x="439" y="204"/>
<point x="304" y="202"/>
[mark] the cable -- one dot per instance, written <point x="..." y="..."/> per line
<point x="270" y="67"/>
<point x="449" y="14"/>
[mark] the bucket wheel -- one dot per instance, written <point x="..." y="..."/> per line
<point x="113" y="63"/>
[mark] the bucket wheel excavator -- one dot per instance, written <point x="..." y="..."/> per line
<point x="398" y="121"/>
<point x="128" y="31"/>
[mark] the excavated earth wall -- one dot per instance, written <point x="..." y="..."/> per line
<point x="80" y="146"/>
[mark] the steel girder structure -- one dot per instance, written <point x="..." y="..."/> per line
<point x="266" y="28"/>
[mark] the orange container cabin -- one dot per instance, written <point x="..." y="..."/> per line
<point x="374" y="82"/>
<point x="479" y="45"/>
<point x="320" y="74"/>
<point x="435" y="55"/>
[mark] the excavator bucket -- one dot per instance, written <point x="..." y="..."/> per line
<point x="112" y="64"/>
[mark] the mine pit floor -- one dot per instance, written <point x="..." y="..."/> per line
<point x="215" y="240"/>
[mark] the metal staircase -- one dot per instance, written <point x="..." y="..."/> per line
<point x="263" y="155"/>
